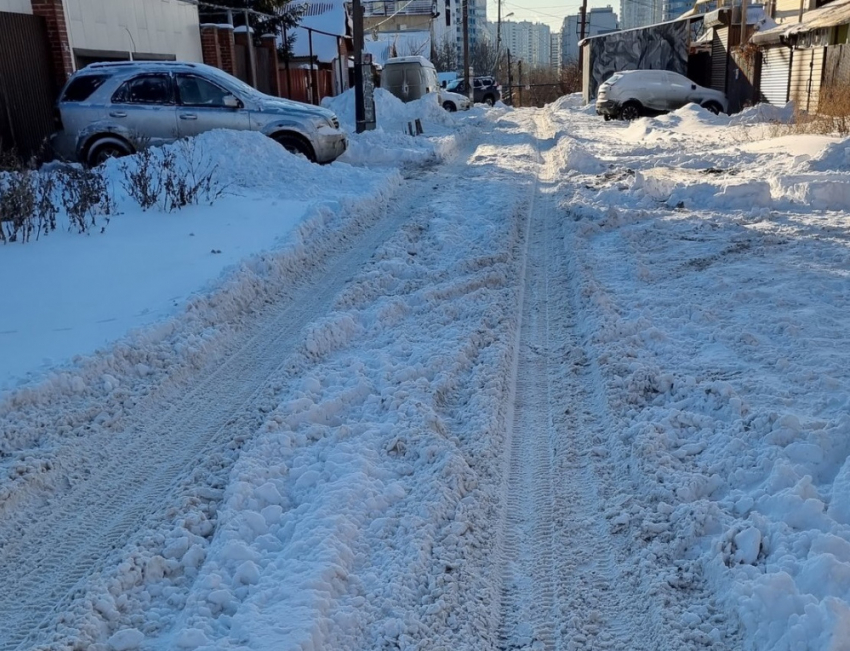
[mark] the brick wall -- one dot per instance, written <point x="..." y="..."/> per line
<point x="57" y="34"/>
<point x="227" y="49"/>
<point x="209" y="45"/>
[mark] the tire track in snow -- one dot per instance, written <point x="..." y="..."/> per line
<point x="563" y="584"/>
<point x="46" y="566"/>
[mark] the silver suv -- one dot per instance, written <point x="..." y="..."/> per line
<point x="484" y="89"/>
<point x="109" y="109"/>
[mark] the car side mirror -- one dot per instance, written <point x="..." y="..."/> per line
<point x="232" y="102"/>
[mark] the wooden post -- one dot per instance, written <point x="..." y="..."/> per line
<point x="519" y="83"/>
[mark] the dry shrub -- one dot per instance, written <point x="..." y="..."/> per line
<point x="31" y="200"/>
<point x="85" y="195"/>
<point x="172" y="177"/>
<point x="27" y="205"/>
<point x="142" y="179"/>
<point x="834" y="109"/>
<point x="831" y="118"/>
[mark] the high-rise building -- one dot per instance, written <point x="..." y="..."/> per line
<point x="672" y="9"/>
<point x="637" y="13"/>
<point x="600" y="20"/>
<point x="448" y="26"/>
<point x="528" y="42"/>
<point x="555" y="52"/>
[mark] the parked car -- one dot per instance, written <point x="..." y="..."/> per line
<point x="409" y="78"/>
<point x="484" y="89"/>
<point x="454" y="101"/>
<point x="633" y="93"/>
<point x="111" y="109"/>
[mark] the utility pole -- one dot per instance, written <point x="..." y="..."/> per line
<point x="582" y="27"/>
<point x="498" y="36"/>
<point x="466" y="81"/>
<point x="359" y="99"/>
<point x="743" y="23"/>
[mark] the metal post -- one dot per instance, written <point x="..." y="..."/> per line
<point x="583" y="16"/>
<point x="743" y="23"/>
<point x="359" y="99"/>
<point x="314" y="69"/>
<point x="252" y="56"/>
<point x="466" y="49"/>
<point x="498" y="36"/>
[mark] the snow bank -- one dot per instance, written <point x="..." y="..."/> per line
<point x="567" y="102"/>
<point x="764" y="113"/>
<point x="835" y="157"/>
<point x="390" y="143"/>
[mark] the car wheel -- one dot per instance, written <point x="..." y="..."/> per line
<point x="713" y="107"/>
<point x="450" y="107"/>
<point x="100" y="153"/>
<point x="631" y="111"/>
<point x="296" y="145"/>
<point x="489" y="100"/>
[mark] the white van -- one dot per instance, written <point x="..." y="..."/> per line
<point x="409" y="78"/>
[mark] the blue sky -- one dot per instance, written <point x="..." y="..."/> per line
<point x="544" y="11"/>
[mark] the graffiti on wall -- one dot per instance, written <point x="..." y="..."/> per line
<point x="657" y="47"/>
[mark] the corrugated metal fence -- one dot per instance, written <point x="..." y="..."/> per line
<point x="27" y="90"/>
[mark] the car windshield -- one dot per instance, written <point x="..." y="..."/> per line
<point x="613" y="79"/>
<point x="454" y="84"/>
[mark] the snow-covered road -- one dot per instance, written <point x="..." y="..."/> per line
<point x="551" y="384"/>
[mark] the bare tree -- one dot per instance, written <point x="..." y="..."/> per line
<point x="445" y="56"/>
<point x="482" y="57"/>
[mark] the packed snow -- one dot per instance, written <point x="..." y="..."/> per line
<point x="353" y="492"/>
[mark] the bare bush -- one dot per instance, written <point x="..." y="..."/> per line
<point x="27" y="205"/>
<point x="831" y="118"/>
<point x="193" y="182"/>
<point x="172" y="177"/>
<point x="85" y="195"/>
<point x="142" y="178"/>
<point x="834" y="109"/>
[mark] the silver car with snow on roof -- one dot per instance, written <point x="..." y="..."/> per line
<point x="111" y="109"/>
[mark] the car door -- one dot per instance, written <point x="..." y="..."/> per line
<point x="202" y="106"/>
<point x="680" y="90"/>
<point x="650" y="87"/>
<point x="144" y="107"/>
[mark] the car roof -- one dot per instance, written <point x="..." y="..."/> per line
<point x="112" y="67"/>
<point x="411" y="59"/>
